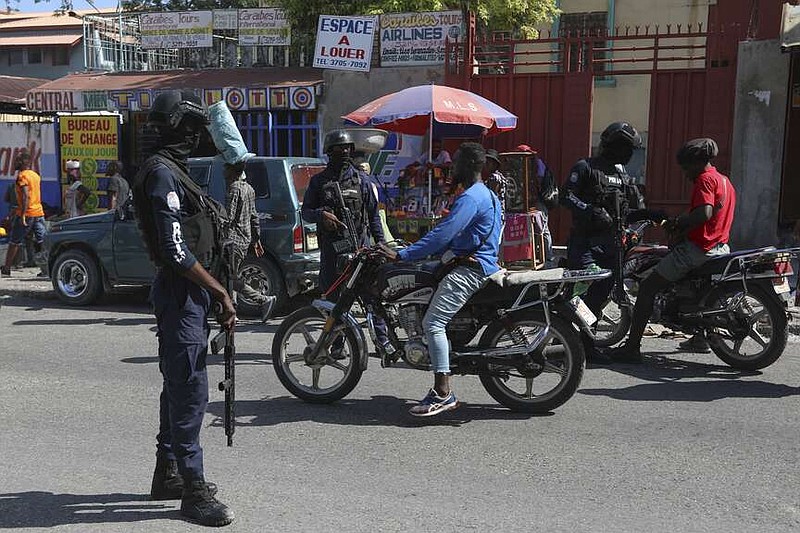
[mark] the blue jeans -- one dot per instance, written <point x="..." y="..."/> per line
<point x="34" y="224"/>
<point x="453" y="292"/>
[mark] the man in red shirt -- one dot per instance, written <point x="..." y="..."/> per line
<point x="707" y="227"/>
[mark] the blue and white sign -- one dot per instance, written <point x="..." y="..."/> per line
<point x="345" y="43"/>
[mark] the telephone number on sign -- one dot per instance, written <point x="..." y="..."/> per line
<point x="329" y="62"/>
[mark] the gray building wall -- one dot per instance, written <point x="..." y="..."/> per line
<point x="347" y="91"/>
<point x="758" y="136"/>
<point x="45" y="69"/>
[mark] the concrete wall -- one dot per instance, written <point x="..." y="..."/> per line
<point x="347" y="91"/>
<point x="628" y="97"/>
<point x="758" y="137"/>
<point x="45" y="69"/>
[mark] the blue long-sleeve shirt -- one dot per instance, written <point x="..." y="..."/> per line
<point x="475" y="214"/>
<point x="168" y="208"/>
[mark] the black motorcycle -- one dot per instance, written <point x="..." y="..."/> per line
<point x="738" y="300"/>
<point x="514" y="333"/>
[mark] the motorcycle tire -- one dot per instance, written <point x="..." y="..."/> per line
<point x="349" y="365"/>
<point x="617" y="331"/>
<point x="772" y="309"/>
<point x="564" y="339"/>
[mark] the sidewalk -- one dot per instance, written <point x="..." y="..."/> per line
<point x="25" y="283"/>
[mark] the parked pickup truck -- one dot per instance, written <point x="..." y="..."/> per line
<point x="90" y="254"/>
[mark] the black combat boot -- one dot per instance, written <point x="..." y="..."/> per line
<point x="200" y="506"/>
<point x="168" y="483"/>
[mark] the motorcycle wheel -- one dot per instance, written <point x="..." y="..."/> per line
<point x="612" y="325"/>
<point x="759" y="338"/>
<point x="324" y="383"/>
<point x="538" y="391"/>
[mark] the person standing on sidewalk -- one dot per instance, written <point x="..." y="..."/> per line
<point x="77" y="193"/>
<point x="29" y="212"/>
<point x="118" y="187"/>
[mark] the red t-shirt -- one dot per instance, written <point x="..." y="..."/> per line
<point x="714" y="189"/>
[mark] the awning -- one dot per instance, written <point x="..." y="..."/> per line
<point x="790" y="32"/>
<point x="68" y="39"/>
<point x="269" y="88"/>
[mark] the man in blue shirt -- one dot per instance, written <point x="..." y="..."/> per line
<point x="471" y="232"/>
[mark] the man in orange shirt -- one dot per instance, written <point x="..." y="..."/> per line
<point x="29" y="215"/>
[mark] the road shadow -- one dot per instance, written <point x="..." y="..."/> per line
<point x="41" y="509"/>
<point x="665" y="376"/>
<point x="87" y="322"/>
<point x="696" y="391"/>
<point x="660" y="368"/>
<point x="377" y="411"/>
<point x="212" y="360"/>
<point x="116" y="303"/>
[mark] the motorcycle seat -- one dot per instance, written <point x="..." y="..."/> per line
<point x="514" y="278"/>
<point x="717" y="265"/>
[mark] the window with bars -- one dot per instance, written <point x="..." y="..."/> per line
<point x="589" y="30"/>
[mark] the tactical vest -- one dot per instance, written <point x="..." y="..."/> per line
<point x="350" y="184"/>
<point x="202" y="228"/>
<point x="615" y="191"/>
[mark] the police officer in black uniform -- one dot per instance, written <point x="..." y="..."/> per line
<point x="180" y="236"/>
<point x="598" y="191"/>
<point x="321" y="206"/>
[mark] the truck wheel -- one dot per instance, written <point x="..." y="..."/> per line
<point x="263" y="275"/>
<point x="76" y="278"/>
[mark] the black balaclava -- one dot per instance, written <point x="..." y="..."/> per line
<point x="179" y="144"/>
<point x="340" y="160"/>
<point x="617" y="153"/>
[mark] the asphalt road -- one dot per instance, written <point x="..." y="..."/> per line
<point x="682" y="443"/>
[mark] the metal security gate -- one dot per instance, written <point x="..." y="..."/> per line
<point x="549" y="84"/>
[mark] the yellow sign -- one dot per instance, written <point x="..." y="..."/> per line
<point x="94" y="141"/>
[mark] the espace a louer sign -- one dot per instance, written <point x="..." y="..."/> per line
<point x="344" y="43"/>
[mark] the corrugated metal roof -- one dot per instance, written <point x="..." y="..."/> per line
<point x="190" y="79"/>
<point x="41" y="22"/>
<point x="13" y="88"/>
<point x="67" y="39"/>
<point x="22" y="21"/>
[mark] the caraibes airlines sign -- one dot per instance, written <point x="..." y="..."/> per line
<point x="416" y="39"/>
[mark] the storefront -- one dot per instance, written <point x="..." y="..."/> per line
<point x="276" y="109"/>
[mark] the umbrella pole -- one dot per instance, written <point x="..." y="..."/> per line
<point x="430" y="169"/>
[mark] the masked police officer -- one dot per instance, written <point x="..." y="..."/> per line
<point x="321" y="206"/>
<point x="599" y="192"/>
<point x="181" y="237"/>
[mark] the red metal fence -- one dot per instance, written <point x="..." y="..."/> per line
<point x="549" y="84"/>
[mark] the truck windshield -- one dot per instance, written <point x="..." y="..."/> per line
<point x="301" y="175"/>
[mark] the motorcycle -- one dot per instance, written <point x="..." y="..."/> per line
<point x="738" y="300"/>
<point x="513" y="334"/>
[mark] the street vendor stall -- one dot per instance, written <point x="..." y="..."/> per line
<point x="523" y="236"/>
<point x="440" y="113"/>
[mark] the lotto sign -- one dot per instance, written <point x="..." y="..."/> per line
<point x="301" y="98"/>
<point x="410" y="39"/>
<point x="264" y="27"/>
<point x="344" y="43"/>
<point x="182" y="29"/>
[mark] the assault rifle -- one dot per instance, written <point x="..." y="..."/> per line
<point x="349" y="226"/>
<point x="224" y="341"/>
<point x="619" y="295"/>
